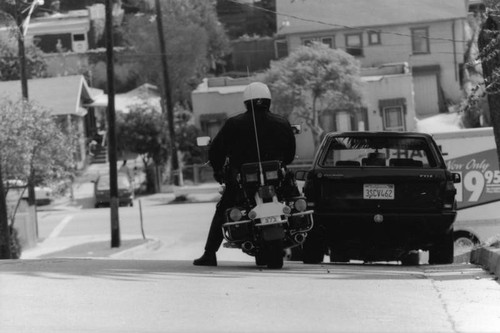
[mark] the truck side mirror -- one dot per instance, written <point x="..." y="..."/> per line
<point x="456" y="178"/>
<point x="300" y="175"/>
<point x="203" y="141"/>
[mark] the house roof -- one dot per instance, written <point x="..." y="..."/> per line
<point x="62" y="95"/>
<point x="72" y="21"/>
<point x="145" y="93"/>
<point x="326" y="15"/>
<point x="222" y="85"/>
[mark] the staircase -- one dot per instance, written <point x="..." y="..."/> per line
<point x="100" y="155"/>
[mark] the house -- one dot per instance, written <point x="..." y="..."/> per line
<point x="146" y="94"/>
<point x="427" y="34"/>
<point x="66" y="98"/>
<point x="388" y="100"/>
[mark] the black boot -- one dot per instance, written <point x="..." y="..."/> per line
<point x="207" y="259"/>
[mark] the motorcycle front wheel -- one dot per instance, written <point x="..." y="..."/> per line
<point x="274" y="254"/>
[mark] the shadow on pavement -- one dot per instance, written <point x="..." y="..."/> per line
<point x="101" y="249"/>
<point x="138" y="270"/>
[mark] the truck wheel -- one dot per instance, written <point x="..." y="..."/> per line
<point x="465" y="241"/>
<point x="295" y="253"/>
<point x="337" y="255"/>
<point x="411" y="258"/>
<point x="442" y="251"/>
<point x="313" y="249"/>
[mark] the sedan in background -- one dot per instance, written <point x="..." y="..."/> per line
<point x="43" y="194"/>
<point x="102" y="191"/>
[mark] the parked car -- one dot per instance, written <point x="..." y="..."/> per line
<point x="43" y="194"/>
<point x="380" y="196"/>
<point x="102" y="191"/>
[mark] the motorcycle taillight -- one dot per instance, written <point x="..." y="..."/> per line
<point x="449" y="195"/>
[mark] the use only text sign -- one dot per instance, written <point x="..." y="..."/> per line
<point x="480" y="178"/>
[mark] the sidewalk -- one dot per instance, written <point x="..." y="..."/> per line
<point x="83" y="191"/>
<point x="98" y="246"/>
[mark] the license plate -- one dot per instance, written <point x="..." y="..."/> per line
<point x="378" y="191"/>
<point x="270" y="219"/>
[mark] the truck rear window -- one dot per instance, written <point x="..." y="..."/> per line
<point x="345" y="151"/>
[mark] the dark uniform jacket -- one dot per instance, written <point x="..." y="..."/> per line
<point x="236" y="140"/>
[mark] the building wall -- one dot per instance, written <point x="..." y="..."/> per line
<point x="446" y="46"/>
<point x="386" y="88"/>
<point x="375" y="89"/>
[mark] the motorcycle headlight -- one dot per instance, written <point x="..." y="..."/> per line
<point x="235" y="214"/>
<point x="300" y="205"/>
<point x="287" y="210"/>
<point x="252" y="215"/>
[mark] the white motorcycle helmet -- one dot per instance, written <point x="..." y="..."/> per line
<point x="258" y="93"/>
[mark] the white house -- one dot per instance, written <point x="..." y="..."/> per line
<point x="427" y="34"/>
<point x="388" y="99"/>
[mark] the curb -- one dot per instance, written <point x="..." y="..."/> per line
<point x="488" y="258"/>
<point x="149" y="245"/>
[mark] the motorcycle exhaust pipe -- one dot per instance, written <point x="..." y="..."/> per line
<point x="247" y="246"/>
<point x="299" y="238"/>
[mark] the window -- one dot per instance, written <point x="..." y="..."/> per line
<point x="420" y="40"/>
<point x="374" y="38"/>
<point x="307" y="42"/>
<point x="328" y="40"/>
<point x="343" y="121"/>
<point x="354" y="44"/>
<point x="211" y="123"/>
<point x="79" y="37"/>
<point x="393" y="118"/>
<point x="393" y="113"/>
<point x="280" y="48"/>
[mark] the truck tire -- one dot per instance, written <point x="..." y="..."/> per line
<point x="313" y="248"/>
<point x="442" y="251"/>
<point x="337" y="255"/>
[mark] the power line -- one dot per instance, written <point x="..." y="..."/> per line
<point x="339" y="25"/>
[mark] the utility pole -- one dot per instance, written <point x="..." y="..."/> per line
<point x="22" y="53"/>
<point x="113" y="181"/>
<point x="168" y="94"/>
<point x="4" y="223"/>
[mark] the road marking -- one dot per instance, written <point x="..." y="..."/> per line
<point x="59" y="228"/>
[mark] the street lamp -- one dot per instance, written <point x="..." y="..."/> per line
<point x="31" y="8"/>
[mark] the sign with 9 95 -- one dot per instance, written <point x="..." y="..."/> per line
<point x="480" y="178"/>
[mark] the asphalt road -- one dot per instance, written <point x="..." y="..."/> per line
<point x="158" y="289"/>
<point x="104" y="295"/>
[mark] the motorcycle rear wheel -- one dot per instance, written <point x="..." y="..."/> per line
<point x="260" y="258"/>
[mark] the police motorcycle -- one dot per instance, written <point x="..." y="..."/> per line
<point x="270" y="216"/>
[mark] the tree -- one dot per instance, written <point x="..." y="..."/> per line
<point x="9" y="61"/>
<point x="312" y="80"/>
<point x="33" y="147"/>
<point x="141" y="131"/>
<point x="489" y="47"/>
<point x="195" y="43"/>
<point x="241" y="19"/>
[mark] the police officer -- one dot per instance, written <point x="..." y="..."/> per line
<point x="236" y="143"/>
